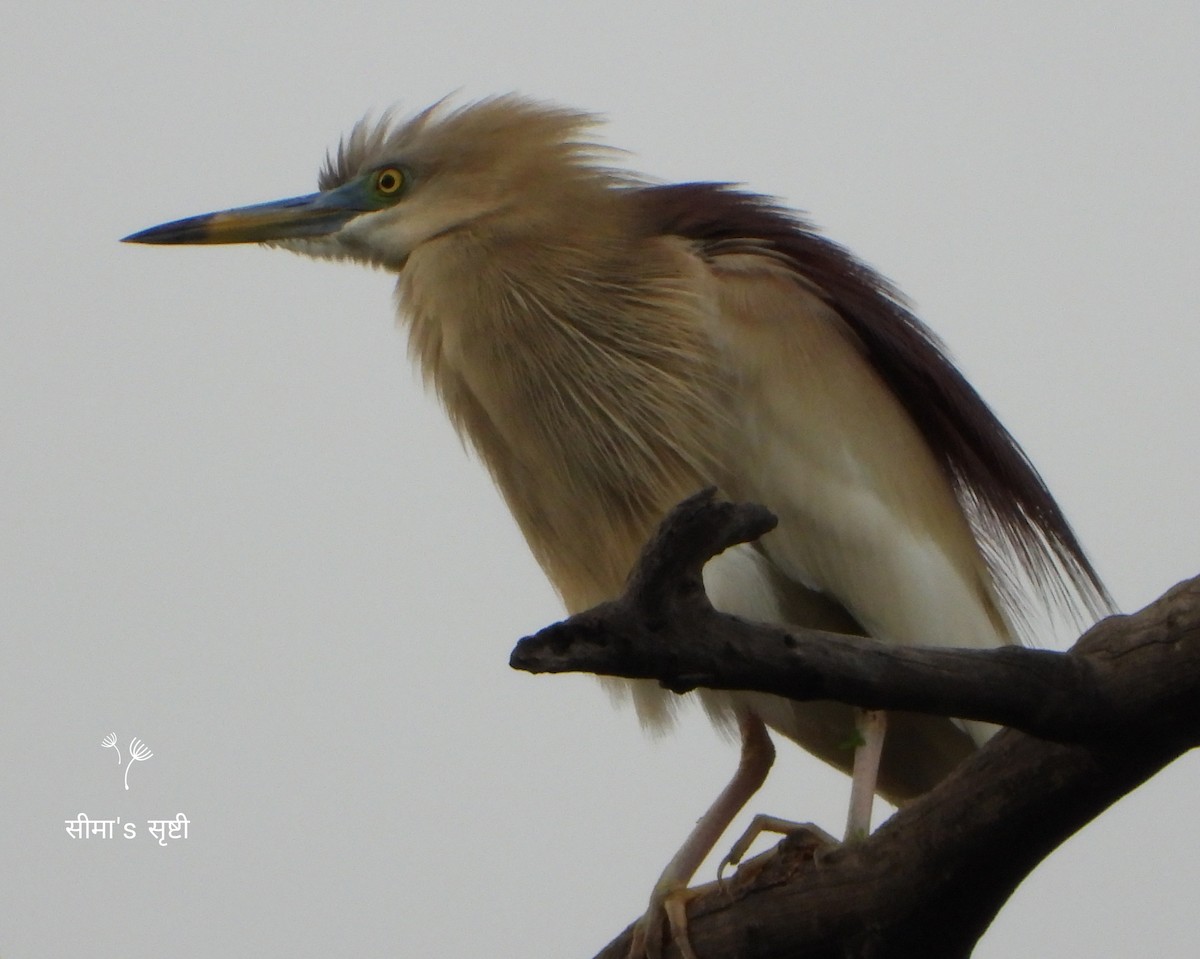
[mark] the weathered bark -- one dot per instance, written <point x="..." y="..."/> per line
<point x="1087" y="727"/>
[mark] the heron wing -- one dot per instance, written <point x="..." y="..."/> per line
<point x="899" y="491"/>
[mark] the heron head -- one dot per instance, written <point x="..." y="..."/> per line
<point x="504" y="167"/>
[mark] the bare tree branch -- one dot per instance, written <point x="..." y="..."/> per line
<point x="664" y="628"/>
<point x="1095" y="723"/>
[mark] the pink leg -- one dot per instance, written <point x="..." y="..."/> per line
<point x="872" y="727"/>
<point x="670" y="895"/>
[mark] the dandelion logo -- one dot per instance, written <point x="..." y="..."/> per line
<point x="138" y="752"/>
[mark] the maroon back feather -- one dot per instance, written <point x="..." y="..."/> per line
<point x="1022" y="528"/>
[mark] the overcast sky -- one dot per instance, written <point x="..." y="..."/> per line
<point x="236" y="528"/>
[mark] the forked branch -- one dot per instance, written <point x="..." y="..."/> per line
<point x="1093" y="723"/>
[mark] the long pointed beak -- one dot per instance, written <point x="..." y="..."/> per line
<point x="316" y="214"/>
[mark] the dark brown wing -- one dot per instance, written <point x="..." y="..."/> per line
<point x="1022" y="530"/>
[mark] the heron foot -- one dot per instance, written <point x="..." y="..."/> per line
<point x="668" y="907"/>
<point x="820" y="840"/>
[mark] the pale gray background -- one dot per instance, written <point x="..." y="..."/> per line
<point x="234" y="525"/>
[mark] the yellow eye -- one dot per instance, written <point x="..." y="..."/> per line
<point x="389" y="181"/>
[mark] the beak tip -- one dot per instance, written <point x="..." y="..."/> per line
<point x="196" y="229"/>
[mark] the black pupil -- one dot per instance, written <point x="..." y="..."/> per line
<point x="388" y="182"/>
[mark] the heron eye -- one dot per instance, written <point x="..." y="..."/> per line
<point x="389" y="182"/>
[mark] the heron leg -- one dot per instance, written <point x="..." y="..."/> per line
<point x="670" y="896"/>
<point x="872" y="727"/>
